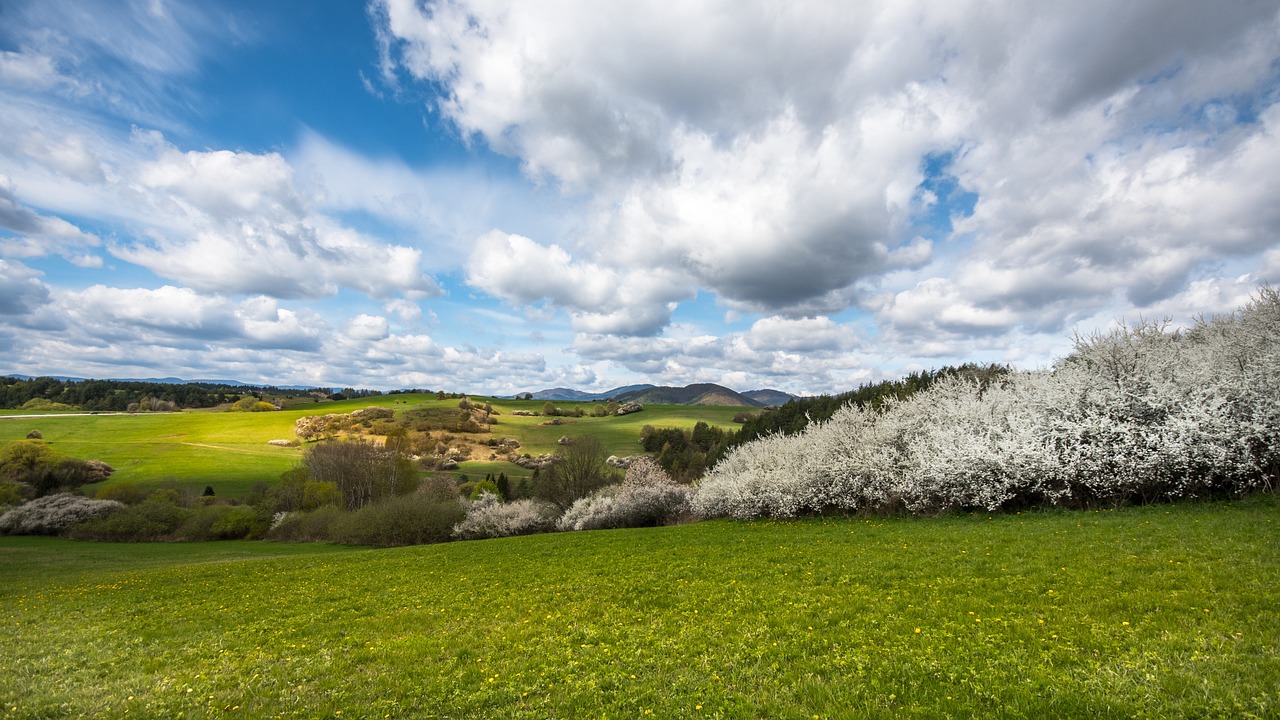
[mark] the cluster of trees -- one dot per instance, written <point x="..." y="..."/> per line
<point x="1138" y="414"/>
<point x="362" y="493"/>
<point x="120" y="395"/>
<point x="686" y="453"/>
<point x="31" y="469"/>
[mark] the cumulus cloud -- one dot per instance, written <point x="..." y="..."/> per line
<point x="20" y="289"/>
<point x="599" y="299"/>
<point x="1106" y="148"/>
<point x="39" y="235"/>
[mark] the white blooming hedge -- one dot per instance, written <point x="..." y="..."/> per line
<point x="1134" y="415"/>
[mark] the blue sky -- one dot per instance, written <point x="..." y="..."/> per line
<point x="496" y="197"/>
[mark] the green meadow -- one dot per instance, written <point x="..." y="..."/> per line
<point x="1157" y="611"/>
<point x="229" y="450"/>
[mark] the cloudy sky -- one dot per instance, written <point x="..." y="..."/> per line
<point x="496" y="196"/>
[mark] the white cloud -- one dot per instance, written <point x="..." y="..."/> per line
<point x="39" y="235"/>
<point x="598" y="298"/>
<point x="782" y="178"/>
<point x="21" y="291"/>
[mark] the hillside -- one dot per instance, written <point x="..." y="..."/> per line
<point x="568" y="394"/>
<point x="708" y="394"/>
<point x="769" y="398"/>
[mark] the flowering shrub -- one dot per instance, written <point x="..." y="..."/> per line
<point x="646" y="497"/>
<point x="53" y="514"/>
<point x="489" y="517"/>
<point x="1133" y="415"/>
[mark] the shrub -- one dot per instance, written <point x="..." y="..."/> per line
<point x="54" y="514"/>
<point x="489" y="517"/>
<point x="579" y="471"/>
<point x="222" y="522"/>
<point x="409" y="520"/>
<point x="35" y="435"/>
<point x="363" y="472"/>
<point x="485" y="486"/>
<point x="156" y="518"/>
<point x="439" y="488"/>
<point x="646" y="498"/>
<point x="1137" y="414"/>
<point x="127" y="493"/>
<point x="10" y="493"/>
<point x="313" y="526"/>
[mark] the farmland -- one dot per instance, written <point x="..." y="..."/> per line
<point x="1157" y="611"/>
<point x="229" y="451"/>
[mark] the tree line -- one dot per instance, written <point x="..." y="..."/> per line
<point x="118" y="395"/>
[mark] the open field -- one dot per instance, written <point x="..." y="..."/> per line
<point x="1159" y="611"/>
<point x="229" y="450"/>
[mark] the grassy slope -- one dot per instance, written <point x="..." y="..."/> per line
<point x="230" y="452"/>
<point x="1157" y="612"/>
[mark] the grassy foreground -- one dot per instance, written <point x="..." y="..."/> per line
<point x="1166" y="611"/>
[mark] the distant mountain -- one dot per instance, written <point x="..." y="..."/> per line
<point x="579" y="396"/>
<point x="769" y="398"/>
<point x="699" y="394"/>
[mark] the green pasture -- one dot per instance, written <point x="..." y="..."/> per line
<point x="229" y="450"/>
<point x="1160" y="611"/>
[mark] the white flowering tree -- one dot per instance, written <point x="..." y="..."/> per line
<point x="1136" y="414"/>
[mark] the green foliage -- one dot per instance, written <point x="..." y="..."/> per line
<point x="684" y="452"/>
<point x="249" y="403"/>
<point x="127" y="493"/>
<point x="410" y="520"/>
<point x="156" y="518"/>
<point x="304" y="526"/>
<point x="43" y="405"/>
<point x="26" y="461"/>
<point x="222" y="522"/>
<point x="48" y="394"/>
<point x="486" y="486"/>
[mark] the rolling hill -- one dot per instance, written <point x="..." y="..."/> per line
<point x="698" y="394"/>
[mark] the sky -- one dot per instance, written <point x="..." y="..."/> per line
<point x="495" y="196"/>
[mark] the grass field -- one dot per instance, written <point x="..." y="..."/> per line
<point x="1162" y="611"/>
<point x="229" y="451"/>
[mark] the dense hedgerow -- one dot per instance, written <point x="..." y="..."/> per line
<point x="489" y="517"/>
<point x="53" y="514"/>
<point x="156" y="518"/>
<point x="305" y="525"/>
<point x="413" y="519"/>
<point x="1137" y="414"/>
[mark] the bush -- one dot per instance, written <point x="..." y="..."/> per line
<point x="313" y="526"/>
<point x="156" y="518"/>
<point x="485" y="486"/>
<point x="222" y="522"/>
<point x="1138" y="414"/>
<point x="579" y="471"/>
<point x="54" y="514"/>
<point x="408" y="520"/>
<point x="646" y="498"/>
<point x="489" y="517"/>
<point x="127" y="493"/>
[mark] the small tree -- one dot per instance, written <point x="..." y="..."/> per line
<point x="363" y="472"/>
<point x="580" y="471"/>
